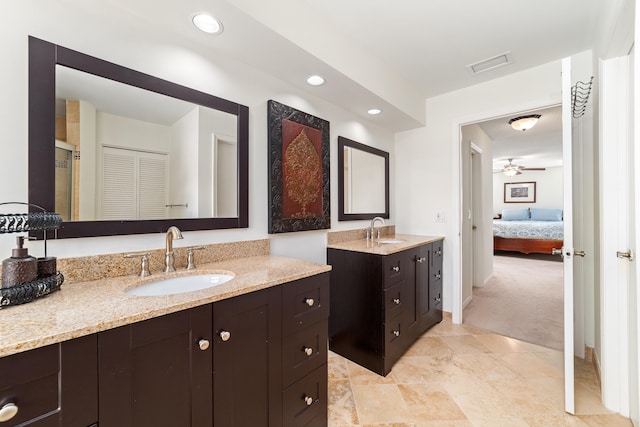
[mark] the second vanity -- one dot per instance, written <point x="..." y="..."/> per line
<point x="384" y="296"/>
<point x="251" y="351"/>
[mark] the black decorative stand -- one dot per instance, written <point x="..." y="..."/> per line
<point x="18" y="223"/>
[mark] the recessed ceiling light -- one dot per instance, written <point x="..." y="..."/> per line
<point x="207" y="23"/>
<point x="374" y="111"/>
<point x="315" y="80"/>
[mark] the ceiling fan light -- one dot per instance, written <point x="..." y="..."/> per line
<point x="510" y="171"/>
<point x="524" y="122"/>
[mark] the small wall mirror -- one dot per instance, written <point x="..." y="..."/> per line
<point x="116" y="151"/>
<point x="363" y="181"/>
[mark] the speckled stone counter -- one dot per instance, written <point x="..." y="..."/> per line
<point x="84" y="308"/>
<point x="408" y="241"/>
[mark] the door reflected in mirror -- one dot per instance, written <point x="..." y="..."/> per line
<point x="144" y="155"/>
<point x="363" y="181"/>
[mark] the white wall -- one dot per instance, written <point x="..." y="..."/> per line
<point x="548" y="189"/>
<point x="183" y="161"/>
<point x="428" y="159"/>
<point x="155" y="51"/>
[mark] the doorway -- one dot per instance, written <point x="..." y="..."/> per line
<point x="504" y="293"/>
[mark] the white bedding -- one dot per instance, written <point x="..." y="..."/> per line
<point x="544" y="230"/>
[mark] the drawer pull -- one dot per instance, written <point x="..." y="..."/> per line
<point x="439" y="252"/>
<point x="396" y="333"/>
<point x="309" y="302"/>
<point x="421" y="259"/>
<point x="203" y="344"/>
<point x="308" y="351"/>
<point x="8" y="411"/>
<point x="396" y="268"/>
<point x="397" y="301"/>
<point x="438" y="299"/>
<point x="438" y="276"/>
<point x="225" y="335"/>
<point x="308" y="400"/>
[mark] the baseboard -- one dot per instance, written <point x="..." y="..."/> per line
<point x="446" y="315"/>
<point x="596" y="367"/>
<point x="588" y="353"/>
<point x="467" y="301"/>
<point x="486" y="281"/>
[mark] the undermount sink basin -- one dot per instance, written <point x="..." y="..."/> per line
<point x="180" y="285"/>
<point x="389" y="241"/>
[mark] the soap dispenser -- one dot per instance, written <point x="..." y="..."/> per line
<point x="20" y="268"/>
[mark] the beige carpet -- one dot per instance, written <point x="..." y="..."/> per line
<point x="523" y="300"/>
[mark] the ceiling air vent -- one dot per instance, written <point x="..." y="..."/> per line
<point x="490" y="63"/>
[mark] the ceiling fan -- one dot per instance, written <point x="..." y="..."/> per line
<point x="511" y="169"/>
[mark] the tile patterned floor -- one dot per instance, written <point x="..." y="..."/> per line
<point x="456" y="376"/>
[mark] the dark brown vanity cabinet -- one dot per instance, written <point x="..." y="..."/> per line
<point x="257" y="359"/>
<point x="380" y="304"/>
<point x="52" y="386"/>
<point x="157" y="372"/>
<point x="246" y="360"/>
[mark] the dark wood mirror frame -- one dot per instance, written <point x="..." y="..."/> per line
<point x="342" y="216"/>
<point x="43" y="58"/>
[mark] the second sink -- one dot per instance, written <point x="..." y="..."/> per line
<point x="182" y="284"/>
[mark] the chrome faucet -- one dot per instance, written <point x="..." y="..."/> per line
<point x="373" y="226"/>
<point x="172" y="233"/>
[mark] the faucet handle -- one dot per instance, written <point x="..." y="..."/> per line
<point x="144" y="267"/>
<point x="190" y="264"/>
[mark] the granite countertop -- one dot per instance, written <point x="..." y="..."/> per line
<point x="83" y="308"/>
<point x="408" y="241"/>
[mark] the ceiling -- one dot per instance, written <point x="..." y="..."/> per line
<point x="540" y="146"/>
<point x="372" y="53"/>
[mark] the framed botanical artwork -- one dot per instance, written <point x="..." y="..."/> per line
<point x="298" y="170"/>
<point x="519" y="192"/>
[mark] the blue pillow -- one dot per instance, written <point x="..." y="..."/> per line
<point x="546" y="214"/>
<point x="515" y="214"/>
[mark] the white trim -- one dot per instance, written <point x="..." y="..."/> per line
<point x="467" y="301"/>
<point x="475" y="148"/>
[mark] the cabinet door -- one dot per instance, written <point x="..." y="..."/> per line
<point x="422" y="261"/>
<point x="246" y="360"/>
<point x="154" y="373"/>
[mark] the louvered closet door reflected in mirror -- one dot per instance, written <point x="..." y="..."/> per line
<point x="134" y="184"/>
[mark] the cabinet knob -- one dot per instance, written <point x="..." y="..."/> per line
<point x="309" y="302"/>
<point x="439" y="252"/>
<point x="308" y="400"/>
<point x="308" y="351"/>
<point x="396" y="300"/>
<point x="396" y="268"/>
<point x="204" y="344"/>
<point x="225" y="335"/>
<point x="421" y="259"/>
<point x="396" y="333"/>
<point x="8" y="411"/>
<point x="438" y="276"/>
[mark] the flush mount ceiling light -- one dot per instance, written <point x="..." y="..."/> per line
<point x="524" y="122"/>
<point x="207" y="23"/>
<point x="315" y="80"/>
<point x="374" y="111"/>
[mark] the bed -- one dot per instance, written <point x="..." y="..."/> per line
<point x="535" y="230"/>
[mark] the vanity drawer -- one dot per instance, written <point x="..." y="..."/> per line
<point x="394" y="268"/>
<point x="393" y="301"/>
<point x="305" y="402"/>
<point x="436" y="255"/>
<point x="305" y="302"/>
<point x="303" y="352"/>
<point x="30" y="381"/>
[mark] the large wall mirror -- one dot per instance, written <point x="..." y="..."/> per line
<point x="115" y="151"/>
<point x="363" y="181"/>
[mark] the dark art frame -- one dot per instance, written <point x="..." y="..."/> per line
<point x="507" y="191"/>
<point x="276" y="112"/>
